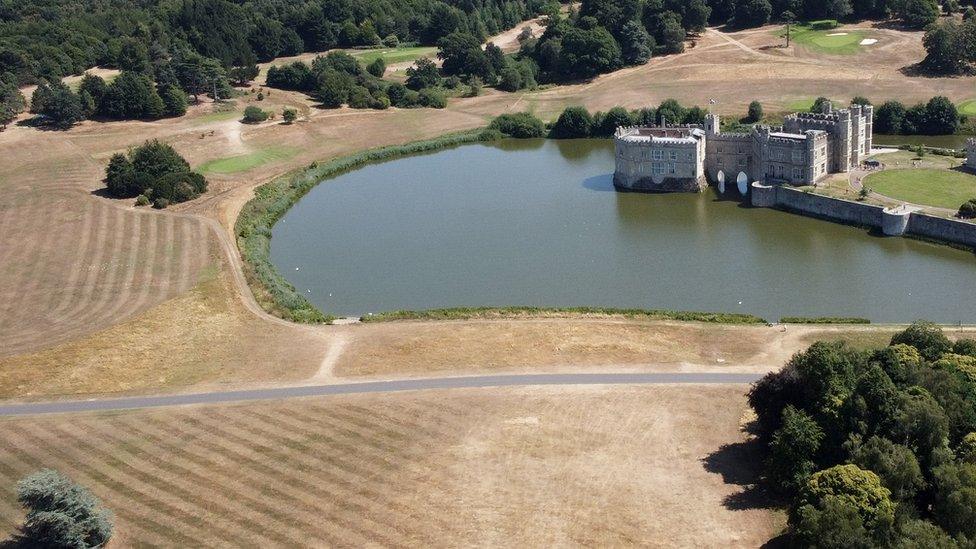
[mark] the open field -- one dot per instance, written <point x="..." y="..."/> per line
<point x="651" y="466"/>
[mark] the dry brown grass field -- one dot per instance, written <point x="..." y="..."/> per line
<point x="596" y="466"/>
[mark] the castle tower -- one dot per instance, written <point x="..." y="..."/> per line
<point x="842" y="145"/>
<point x="857" y="133"/>
<point x="712" y="124"/>
<point x="810" y="169"/>
<point x="868" y="112"/>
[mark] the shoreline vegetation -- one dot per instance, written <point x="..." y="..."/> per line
<point x="467" y="313"/>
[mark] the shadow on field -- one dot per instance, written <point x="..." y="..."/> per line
<point x="740" y="464"/>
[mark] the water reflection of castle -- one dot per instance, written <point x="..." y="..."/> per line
<point x="807" y="148"/>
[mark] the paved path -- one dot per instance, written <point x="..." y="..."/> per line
<point x="278" y="393"/>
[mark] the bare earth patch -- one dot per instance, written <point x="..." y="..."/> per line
<point x="650" y="466"/>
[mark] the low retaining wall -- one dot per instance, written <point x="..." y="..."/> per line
<point x="892" y="222"/>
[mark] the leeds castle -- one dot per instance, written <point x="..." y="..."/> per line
<point x="807" y="148"/>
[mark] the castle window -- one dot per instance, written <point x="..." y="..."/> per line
<point x="673" y="155"/>
<point x="797" y="174"/>
<point x="658" y="168"/>
<point x="671" y="168"/>
<point x="657" y="155"/>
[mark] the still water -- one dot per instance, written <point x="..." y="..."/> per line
<point x="955" y="141"/>
<point x="538" y="223"/>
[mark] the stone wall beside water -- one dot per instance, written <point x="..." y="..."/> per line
<point x="891" y="221"/>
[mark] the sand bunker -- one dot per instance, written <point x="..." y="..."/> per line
<point x="837" y="34"/>
<point x="868" y="41"/>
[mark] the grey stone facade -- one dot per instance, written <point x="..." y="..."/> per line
<point x="971" y="153"/>
<point x="806" y="149"/>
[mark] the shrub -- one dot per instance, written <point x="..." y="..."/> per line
<point x="519" y="125"/>
<point x="574" y="122"/>
<point x="359" y="98"/>
<point x="968" y="209"/>
<point x="289" y="115"/>
<point x="824" y="24"/>
<point x="253" y="115"/>
<point x="432" y="98"/>
<point x="377" y="68"/>
<point x="142" y="200"/>
<point x="61" y="513"/>
<point x="160" y="203"/>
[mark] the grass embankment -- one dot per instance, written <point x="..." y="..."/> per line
<point x="823" y="320"/>
<point x="244" y="162"/>
<point x="968" y="108"/>
<point x="465" y="313"/>
<point x="829" y="41"/>
<point x="253" y="228"/>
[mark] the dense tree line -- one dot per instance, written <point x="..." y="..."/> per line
<point x="50" y="39"/>
<point x="338" y="79"/>
<point x="937" y="117"/>
<point x="874" y="448"/>
<point x="11" y="100"/>
<point x="153" y="173"/>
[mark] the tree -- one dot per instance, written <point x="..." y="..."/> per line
<point x="377" y="68"/>
<point x="696" y="15"/>
<point x="198" y="75"/>
<point x="752" y="13"/>
<point x="333" y="89"/>
<point x="789" y="18"/>
<point x="925" y="336"/>
<point x="613" y="119"/>
<point x="61" y="513"/>
<point x="12" y="101"/>
<point x="433" y="98"/>
<point x="755" y="112"/>
<point x="889" y="118"/>
<point x="132" y="96"/>
<point x="920" y="423"/>
<point x="460" y="52"/>
<point x="61" y="106"/>
<point x="670" y="34"/>
<point x="289" y="115"/>
<point x="155" y="170"/>
<point x="635" y="44"/>
<point x="175" y="101"/>
<point x="917" y="13"/>
<point x="941" y="116"/>
<point x="860" y="100"/>
<point x="510" y="79"/>
<point x="843" y="495"/>
<point x="573" y="122"/>
<point x="895" y="464"/>
<point x="955" y="502"/>
<point x="820" y="103"/>
<point x="242" y="74"/>
<point x="422" y="75"/>
<point x="587" y="53"/>
<point x="671" y="112"/>
<point x="792" y="450"/>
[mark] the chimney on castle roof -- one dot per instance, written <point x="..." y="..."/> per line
<point x="827" y="107"/>
<point x="664" y="121"/>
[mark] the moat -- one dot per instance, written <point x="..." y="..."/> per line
<point x="538" y="223"/>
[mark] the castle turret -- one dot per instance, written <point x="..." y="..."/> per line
<point x="712" y="124"/>
<point x="842" y="146"/>
<point x="868" y="112"/>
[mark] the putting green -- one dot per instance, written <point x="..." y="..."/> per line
<point x="393" y="55"/>
<point x="968" y="107"/>
<point x="244" y="162"/>
<point x="833" y="41"/>
<point x="925" y="186"/>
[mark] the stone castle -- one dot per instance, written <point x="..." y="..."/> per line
<point x="807" y="148"/>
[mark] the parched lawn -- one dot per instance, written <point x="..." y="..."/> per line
<point x="244" y="162"/>
<point x="833" y="41"/>
<point x="925" y="186"/>
<point x="394" y="55"/>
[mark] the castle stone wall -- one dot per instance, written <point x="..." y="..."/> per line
<point x="938" y="228"/>
<point x="826" y="207"/>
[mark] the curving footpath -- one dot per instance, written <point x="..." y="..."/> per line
<point x="279" y="393"/>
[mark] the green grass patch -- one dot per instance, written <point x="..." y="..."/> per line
<point x="925" y="186"/>
<point x="801" y="105"/>
<point x="829" y="41"/>
<point x="968" y="107"/>
<point x="463" y="313"/>
<point x="394" y="55"/>
<point x="272" y="200"/>
<point x="823" y="320"/>
<point x="244" y="162"/>
<point x="218" y="116"/>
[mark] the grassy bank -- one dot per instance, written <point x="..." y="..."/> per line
<point x="253" y="228"/>
<point x="465" y="313"/>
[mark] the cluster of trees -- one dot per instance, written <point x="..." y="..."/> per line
<point x="153" y="173"/>
<point x="60" y="513"/>
<point x="339" y="79"/>
<point x="937" y="117"/>
<point x="11" y="100"/>
<point x="950" y="46"/>
<point x="750" y="13"/>
<point x="874" y="448"/>
<point x="51" y="39"/>
<point x="465" y="59"/>
<point x="577" y="122"/>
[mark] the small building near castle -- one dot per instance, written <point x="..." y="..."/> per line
<point x="807" y="148"/>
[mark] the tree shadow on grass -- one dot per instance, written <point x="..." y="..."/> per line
<point x="740" y="464"/>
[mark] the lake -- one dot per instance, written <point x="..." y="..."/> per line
<point x="538" y="223"/>
<point x="954" y="141"/>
